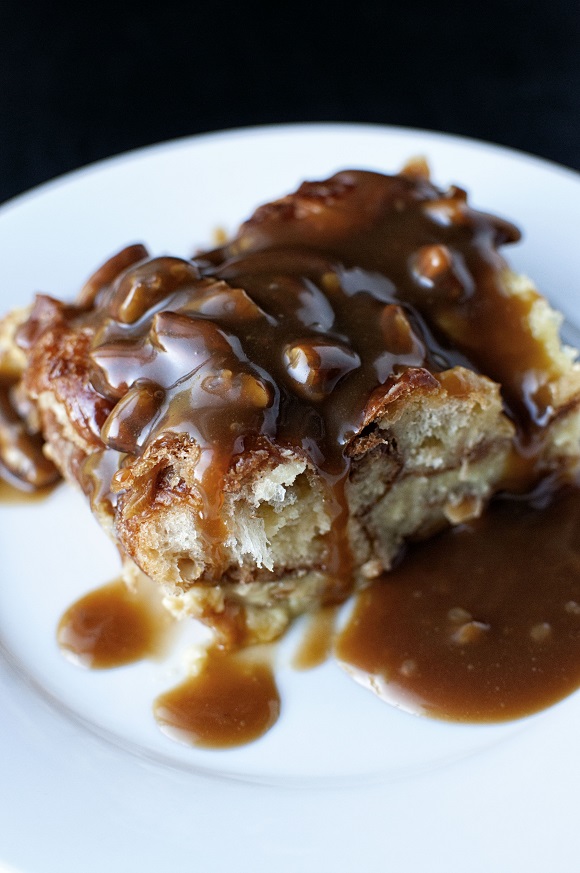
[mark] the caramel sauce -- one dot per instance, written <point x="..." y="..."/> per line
<point x="112" y="626"/>
<point x="25" y="472"/>
<point x="233" y="701"/>
<point x="17" y="495"/>
<point x="317" y="639"/>
<point x="481" y="623"/>
<point x="290" y="335"/>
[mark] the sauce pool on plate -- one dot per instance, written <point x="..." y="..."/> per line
<point x="481" y="623"/>
<point x="232" y="701"/>
<point x="478" y="624"/>
<point x="111" y="627"/>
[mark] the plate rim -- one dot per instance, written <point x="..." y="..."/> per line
<point x="282" y="128"/>
<point x="104" y="164"/>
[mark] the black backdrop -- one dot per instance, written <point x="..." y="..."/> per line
<point x="81" y="83"/>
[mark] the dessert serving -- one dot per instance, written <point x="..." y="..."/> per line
<point x="263" y="428"/>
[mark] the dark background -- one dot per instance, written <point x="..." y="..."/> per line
<point x="84" y="82"/>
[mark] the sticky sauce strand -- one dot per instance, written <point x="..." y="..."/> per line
<point x="317" y="640"/>
<point x="479" y="624"/>
<point x="233" y="701"/>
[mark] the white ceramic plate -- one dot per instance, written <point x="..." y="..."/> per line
<point x="343" y="781"/>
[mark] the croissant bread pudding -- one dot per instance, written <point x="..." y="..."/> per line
<point x="263" y="427"/>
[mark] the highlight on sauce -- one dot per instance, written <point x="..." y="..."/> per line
<point x="292" y="326"/>
<point x="111" y="627"/>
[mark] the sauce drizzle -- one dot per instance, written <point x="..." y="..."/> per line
<point x="284" y="336"/>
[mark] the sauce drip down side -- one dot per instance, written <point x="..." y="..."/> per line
<point x="317" y="639"/>
<point x="24" y="469"/>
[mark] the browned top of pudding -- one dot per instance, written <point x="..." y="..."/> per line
<point x="295" y="331"/>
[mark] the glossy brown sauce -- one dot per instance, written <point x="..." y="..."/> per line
<point x="233" y="701"/>
<point x="317" y="639"/>
<point x="290" y="334"/>
<point x="112" y="626"/>
<point x="24" y="469"/>
<point x="481" y="623"/>
<point x="16" y="494"/>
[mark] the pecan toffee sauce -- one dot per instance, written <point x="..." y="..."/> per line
<point x="290" y="333"/>
<point x="25" y="473"/>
